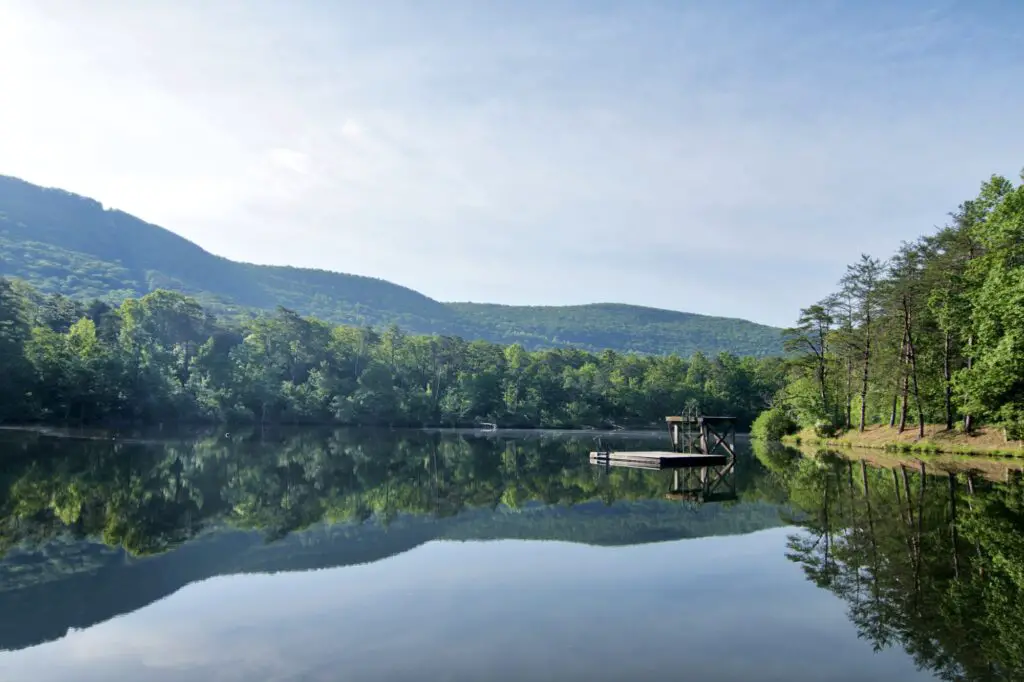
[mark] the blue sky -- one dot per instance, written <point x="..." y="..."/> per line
<point x="720" y="157"/>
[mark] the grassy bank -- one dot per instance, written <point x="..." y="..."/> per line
<point x="984" y="441"/>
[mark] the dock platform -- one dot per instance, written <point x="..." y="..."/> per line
<point x="658" y="459"/>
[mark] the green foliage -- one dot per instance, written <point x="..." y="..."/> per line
<point x="994" y="384"/>
<point x="63" y="243"/>
<point x="935" y="334"/>
<point x="825" y="429"/>
<point x="164" y="358"/>
<point x="773" y="424"/>
<point x="15" y="331"/>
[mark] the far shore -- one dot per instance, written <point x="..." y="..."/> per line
<point x="154" y="433"/>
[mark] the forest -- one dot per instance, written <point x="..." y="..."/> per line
<point x="933" y="335"/>
<point x="163" y="358"/>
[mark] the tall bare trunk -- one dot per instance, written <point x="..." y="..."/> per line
<point x="904" y="402"/>
<point x="968" y="418"/>
<point x="849" y="392"/>
<point x="912" y="352"/>
<point x="947" y="383"/>
<point x="821" y="383"/>
<point x="867" y="365"/>
<point x="902" y="352"/>
<point x="905" y="370"/>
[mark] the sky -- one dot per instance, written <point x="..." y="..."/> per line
<point x="727" y="158"/>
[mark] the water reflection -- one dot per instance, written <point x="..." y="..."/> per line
<point x="89" y="525"/>
<point x="93" y="529"/>
<point x="928" y="560"/>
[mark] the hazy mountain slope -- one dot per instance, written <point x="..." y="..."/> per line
<point x="623" y="327"/>
<point x="64" y="243"/>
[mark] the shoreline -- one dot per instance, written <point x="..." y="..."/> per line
<point x="182" y="432"/>
<point x="986" y="441"/>
<point x="989" y="467"/>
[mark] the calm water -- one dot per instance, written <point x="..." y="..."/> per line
<point x="383" y="556"/>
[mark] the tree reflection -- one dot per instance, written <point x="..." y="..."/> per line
<point x="929" y="561"/>
<point x="151" y="497"/>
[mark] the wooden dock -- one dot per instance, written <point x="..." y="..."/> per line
<point x="694" y="431"/>
<point x="698" y="442"/>
<point x="653" y="459"/>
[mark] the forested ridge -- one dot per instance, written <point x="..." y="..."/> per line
<point x="63" y="243"/>
<point x="621" y="327"/>
<point x="934" y="334"/>
<point x="164" y="358"/>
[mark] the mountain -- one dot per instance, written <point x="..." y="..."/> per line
<point x="622" y="327"/>
<point x="64" y="243"/>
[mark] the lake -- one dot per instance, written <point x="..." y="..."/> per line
<point x="375" y="555"/>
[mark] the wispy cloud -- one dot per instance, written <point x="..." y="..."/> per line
<point x="724" y="159"/>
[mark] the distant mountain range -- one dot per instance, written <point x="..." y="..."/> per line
<point x="64" y="243"/>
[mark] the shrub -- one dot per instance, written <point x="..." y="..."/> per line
<point x="773" y="424"/>
<point x="826" y="429"/>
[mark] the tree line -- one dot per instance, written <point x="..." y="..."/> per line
<point x="934" y="334"/>
<point x="164" y="358"/>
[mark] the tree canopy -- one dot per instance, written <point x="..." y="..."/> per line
<point x="934" y="334"/>
<point x="165" y="358"/>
